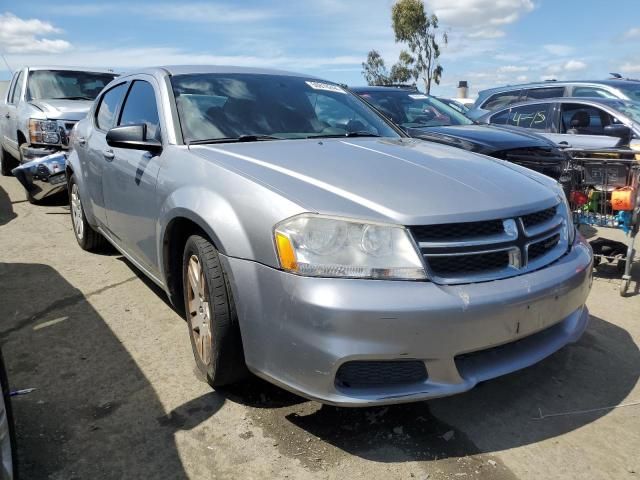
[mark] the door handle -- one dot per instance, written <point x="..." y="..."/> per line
<point x="82" y="140"/>
<point x="7" y="115"/>
<point x="108" y="154"/>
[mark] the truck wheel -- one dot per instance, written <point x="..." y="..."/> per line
<point x="87" y="237"/>
<point x="211" y="314"/>
<point x="7" y="163"/>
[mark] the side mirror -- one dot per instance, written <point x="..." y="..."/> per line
<point x="133" y="137"/>
<point x="618" y="130"/>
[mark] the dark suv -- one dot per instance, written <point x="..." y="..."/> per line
<point x="497" y="98"/>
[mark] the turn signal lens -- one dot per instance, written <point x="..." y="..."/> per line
<point x="285" y="253"/>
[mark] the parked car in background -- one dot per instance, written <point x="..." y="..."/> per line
<point x="311" y="241"/>
<point x="575" y="122"/>
<point x="41" y="107"/>
<point x="498" y="98"/>
<point x="7" y="432"/>
<point x="428" y="118"/>
<point x="456" y="105"/>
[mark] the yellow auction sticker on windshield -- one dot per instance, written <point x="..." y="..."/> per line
<point x="325" y="86"/>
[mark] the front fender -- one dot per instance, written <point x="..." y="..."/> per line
<point x="212" y="213"/>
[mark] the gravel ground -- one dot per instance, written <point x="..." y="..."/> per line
<point x="118" y="395"/>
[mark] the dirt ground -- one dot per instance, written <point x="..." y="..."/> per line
<point x="118" y="396"/>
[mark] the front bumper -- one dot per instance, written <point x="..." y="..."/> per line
<point x="44" y="176"/>
<point x="31" y="153"/>
<point x="298" y="331"/>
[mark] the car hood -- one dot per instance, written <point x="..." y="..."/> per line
<point x="404" y="181"/>
<point x="63" y="109"/>
<point x="485" y="139"/>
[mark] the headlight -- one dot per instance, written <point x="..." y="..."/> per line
<point x="567" y="213"/>
<point x="43" y="131"/>
<point x="323" y="246"/>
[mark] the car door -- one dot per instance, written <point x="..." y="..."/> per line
<point x="10" y="120"/>
<point x="589" y="134"/>
<point x="129" y="180"/>
<point x="91" y="149"/>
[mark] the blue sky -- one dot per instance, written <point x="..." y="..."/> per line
<point x="492" y="42"/>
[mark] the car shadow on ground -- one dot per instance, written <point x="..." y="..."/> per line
<point x="6" y="208"/>
<point x="94" y="414"/>
<point x="597" y="372"/>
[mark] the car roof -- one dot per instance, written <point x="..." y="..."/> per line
<point x="611" y="82"/>
<point x="195" y="69"/>
<point x="67" y="68"/>
<point x="380" y="88"/>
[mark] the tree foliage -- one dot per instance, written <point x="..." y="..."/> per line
<point x="413" y="26"/>
<point x="375" y="71"/>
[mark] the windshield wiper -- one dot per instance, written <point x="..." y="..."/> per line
<point x="347" y="135"/>
<point x="79" y="97"/>
<point x="241" y="138"/>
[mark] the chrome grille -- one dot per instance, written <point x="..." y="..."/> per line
<point x="471" y="252"/>
<point x="457" y="231"/>
<point x="64" y="129"/>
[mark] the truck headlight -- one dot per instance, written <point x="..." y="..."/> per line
<point x="43" y="131"/>
<point x="324" y="246"/>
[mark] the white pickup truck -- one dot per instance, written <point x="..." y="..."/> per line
<point x="41" y="106"/>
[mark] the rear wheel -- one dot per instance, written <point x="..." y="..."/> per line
<point x="7" y="163"/>
<point x="211" y="314"/>
<point x="87" y="237"/>
<point x="7" y="433"/>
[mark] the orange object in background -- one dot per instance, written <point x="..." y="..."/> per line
<point x="622" y="198"/>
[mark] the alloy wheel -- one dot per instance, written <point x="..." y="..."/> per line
<point x="76" y="212"/>
<point x="199" y="310"/>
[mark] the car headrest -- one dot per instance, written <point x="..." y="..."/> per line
<point x="580" y="119"/>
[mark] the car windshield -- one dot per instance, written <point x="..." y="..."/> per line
<point x="632" y="90"/>
<point x="412" y="109"/>
<point x="630" y="109"/>
<point x="219" y="107"/>
<point x="66" y="84"/>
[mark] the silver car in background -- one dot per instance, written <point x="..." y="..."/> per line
<point x="312" y="243"/>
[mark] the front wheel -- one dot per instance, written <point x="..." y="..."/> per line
<point x="7" y="162"/>
<point x="87" y="237"/>
<point x="211" y="314"/>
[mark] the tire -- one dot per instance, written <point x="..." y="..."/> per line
<point x="87" y="237"/>
<point x="7" y="163"/>
<point x="213" y="324"/>
<point x="8" y="457"/>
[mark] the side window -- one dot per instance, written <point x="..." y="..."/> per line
<point x="501" y="118"/>
<point x="592" y="92"/>
<point x="140" y="107"/>
<point x="494" y="102"/>
<point x="584" y="119"/>
<point x="17" y="88"/>
<point x="108" y="105"/>
<point x="530" y="116"/>
<point x="542" y="93"/>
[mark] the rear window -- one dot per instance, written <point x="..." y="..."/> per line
<point x="542" y="93"/>
<point x="499" y="100"/>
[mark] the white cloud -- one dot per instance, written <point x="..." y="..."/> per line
<point x="25" y="36"/>
<point x="574" y="66"/>
<point x="465" y="13"/>
<point x="480" y="17"/>
<point x="632" y="33"/>
<point x="522" y="78"/>
<point x="486" y="33"/>
<point x="630" y="67"/>
<point x="558" y="49"/>
<point x="513" y="69"/>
